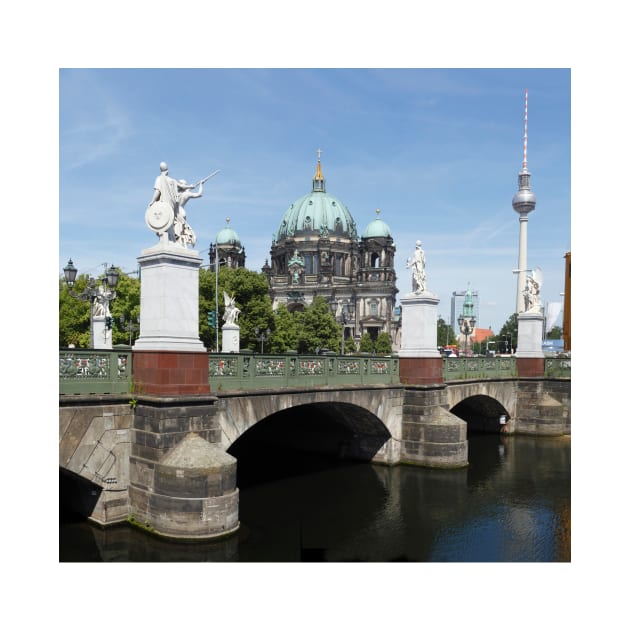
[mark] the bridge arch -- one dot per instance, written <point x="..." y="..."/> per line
<point x="348" y="423"/>
<point x="485" y="406"/>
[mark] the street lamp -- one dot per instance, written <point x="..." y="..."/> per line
<point x="262" y="337"/>
<point x="102" y="294"/>
<point x="214" y="261"/>
<point x="131" y="327"/>
<point x="466" y="325"/>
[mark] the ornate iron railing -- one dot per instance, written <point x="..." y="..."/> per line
<point x="109" y="371"/>
<point x="259" y="371"/>
<point x="94" y="371"/>
<point x="558" y="367"/>
<point x="478" y="367"/>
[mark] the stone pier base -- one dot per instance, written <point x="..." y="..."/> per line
<point x="182" y="482"/>
<point x="431" y="435"/>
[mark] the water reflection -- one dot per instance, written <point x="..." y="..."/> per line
<point x="511" y="504"/>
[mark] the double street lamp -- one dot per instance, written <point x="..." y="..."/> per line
<point x="466" y="325"/>
<point x="262" y="337"/>
<point x="99" y="296"/>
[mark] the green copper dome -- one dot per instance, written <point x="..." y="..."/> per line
<point x="227" y="236"/>
<point x="317" y="212"/>
<point x="377" y="228"/>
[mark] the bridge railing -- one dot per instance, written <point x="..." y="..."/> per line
<point x="260" y="371"/>
<point x="558" y="367"/>
<point x="109" y="371"/>
<point x="478" y="367"/>
<point x="94" y="371"/>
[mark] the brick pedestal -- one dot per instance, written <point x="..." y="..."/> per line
<point x="421" y="370"/>
<point x="530" y="367"/>
<point x="166" y="373"/>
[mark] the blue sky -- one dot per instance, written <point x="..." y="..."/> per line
<point x="438" y="151"/>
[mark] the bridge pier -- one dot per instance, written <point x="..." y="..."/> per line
<point x="182" y="483"/>
<point x="431" y="435"/>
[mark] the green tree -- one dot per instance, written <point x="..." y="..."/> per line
<point x="555" y="333"/>
<point x="319" y="328"/>
<point x="507" y="335"/>
<point x="383" y="344"/>
<point x="286" y="327"/>
<point x="445" y="335"/>
<point x="350" y="345"/>
<point x="366" y="344"/>
<point x="74" y="315"/>
<point x="251" y="293"/>
<point x="125" y="305"/>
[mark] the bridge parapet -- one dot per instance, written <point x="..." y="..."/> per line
<point x="110" y="371"/>
<point x="479" y="367"/>
<point x="258" y="371"/>
<point x="94" y="371"/>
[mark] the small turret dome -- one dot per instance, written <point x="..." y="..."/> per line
<point x="227" y="236"/>
<point x="377" y="228"/>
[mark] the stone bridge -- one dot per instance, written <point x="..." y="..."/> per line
<point x="168" y="464"/>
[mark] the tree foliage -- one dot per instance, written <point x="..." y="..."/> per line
<point x="350" y="345"/>
<point x="383" y="344"/>
<point x="286" y="328"/>
<point x="508" y="334"/>
<point x="445" y="335"/>
<point x="318" y="328"/>
<point x="74" y="313"/>
<point x="366" y="344"/>
<point x="251" y="293"/>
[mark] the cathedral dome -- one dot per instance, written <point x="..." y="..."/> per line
<point x="319" y="213"/>
<point x="227" y="236"/>
<point x="377" y="228"/>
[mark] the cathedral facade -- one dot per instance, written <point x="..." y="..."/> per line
<point x="317" y="251"/>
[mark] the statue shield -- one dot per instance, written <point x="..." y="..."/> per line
<point x="159" y="216"/>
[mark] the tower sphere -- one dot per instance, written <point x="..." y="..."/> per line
<point x="524" y="201"/>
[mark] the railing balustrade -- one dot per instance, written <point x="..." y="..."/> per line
<point x="94" y="371"/>
<point x="109" y="371"/>
<point x="260" y="371"/>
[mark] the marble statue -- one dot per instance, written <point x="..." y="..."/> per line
<point x="417" y="266"/>
<point x="100" y="306"/>
<point x="166" y="215"/>
<point x="230" y="316"/>
<point x="532" y="292"/>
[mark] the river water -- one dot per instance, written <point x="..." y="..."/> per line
<point x="511" y="504"/>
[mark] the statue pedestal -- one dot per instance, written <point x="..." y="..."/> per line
<point x="419" y="325"/>
<point x="102" y="337"/>
<point x="169" y="299"/>
<point x="231" y="338"/>
<point x="530" y="359"/>
<point x="530" y="334"/>
<point x="420" y="360"/>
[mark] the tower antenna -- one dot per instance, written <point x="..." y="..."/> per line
<point x="525" y="136"/>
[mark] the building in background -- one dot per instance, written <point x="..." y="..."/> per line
<point x="317" y="251"/>
<point x="228" y="249"/>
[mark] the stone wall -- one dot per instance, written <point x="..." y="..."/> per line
<point x="543" y="407"/>
<point x="95" y="444"/>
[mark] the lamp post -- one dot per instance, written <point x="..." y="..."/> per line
<point x="466" y="325"/>
<point x="105" y="292"/>
<point x="131" y="327"/>
<point x="262" y="337"/>
<point x="216" y="263"/>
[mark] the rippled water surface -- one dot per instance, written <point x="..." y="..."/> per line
<point x="511" y="504"/>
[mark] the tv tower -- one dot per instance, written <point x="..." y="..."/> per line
<point x="523" y="202"/>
